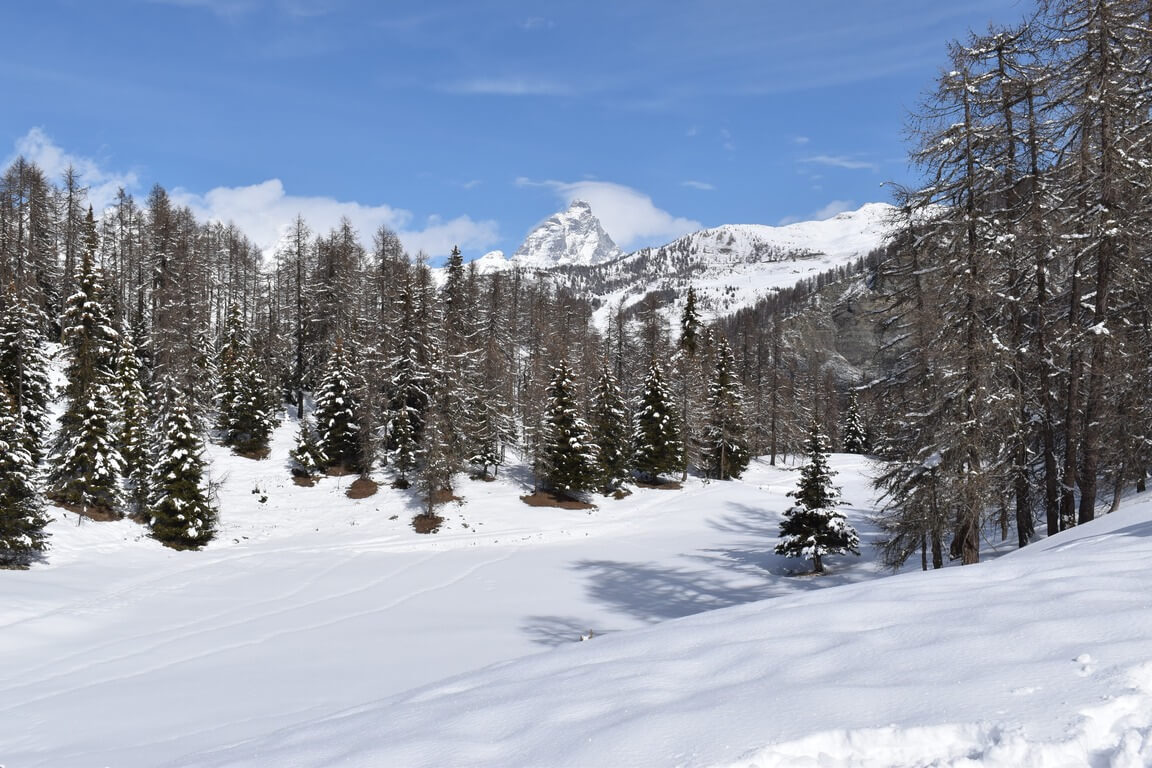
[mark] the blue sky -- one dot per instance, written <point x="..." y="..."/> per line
<point x="471" y="121"/>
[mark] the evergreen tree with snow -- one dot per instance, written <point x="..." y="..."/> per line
<point x="24" y="368"/>
<point x="437" y="466"/>
<point x="404" y="450"/>
<point x="813" y="527"/>
<point x="483" y="433"/>
<point x="609" y="431"/>
<point x="724" y="445"/>
<point x="181" y="515"/>
<point x="22" y="517"/>
<point x="242" y="398"/>
<point x="132" y="433"/>
<point x="567" y="460"/>
<point x="307" y="457"/>
<point x="86" y="461"/>
<point x="853" y="434"/>
<point x="337" y="426"/>
<point x="658" y="447"/>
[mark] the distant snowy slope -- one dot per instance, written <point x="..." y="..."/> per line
<point x="1042" y="659"/>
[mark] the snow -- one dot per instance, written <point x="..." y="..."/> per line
<point x="571" y="237"/>
<point x="319" y="630"/>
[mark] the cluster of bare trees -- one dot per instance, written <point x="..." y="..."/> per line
<point x="1017" y="338"/>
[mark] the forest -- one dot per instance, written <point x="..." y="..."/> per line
<point x="1009" y="391"/>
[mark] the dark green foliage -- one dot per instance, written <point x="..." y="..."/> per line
<point x="813" y="527"/>
<point x="567" y="456"/>
<point x="656" y="433"/>
<point x="181" y="515"/>
<point x="724" y="447"/>
<point x="22" y="517"/>
<point x="853" y="434"/>
<point x="337" y="427"/>
<point x="484" y="436"/>
<point x="609" y="431"/>
<point x="690" y="324"/>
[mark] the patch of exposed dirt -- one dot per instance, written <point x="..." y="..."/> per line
<point x="254" y="455"/>
<point x="99" y="514"/>
<point x="427" y="523"/>
<point x="661" y="485"/>
<point x="304" y="481"/>
<point x="361" y="488"/>
<point x="549" y="499"/>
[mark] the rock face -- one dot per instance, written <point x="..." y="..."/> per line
<point x="570" y="238"/>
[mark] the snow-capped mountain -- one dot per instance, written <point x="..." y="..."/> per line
<point x="571" y="237"/>
<point x="733" y="265"/>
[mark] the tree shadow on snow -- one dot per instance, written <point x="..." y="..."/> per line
<point x="554" y="631"/>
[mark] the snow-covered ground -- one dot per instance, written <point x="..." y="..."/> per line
<point x="320" y="630"/>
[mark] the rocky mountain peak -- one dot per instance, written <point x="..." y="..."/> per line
<point x="571" y="237"/>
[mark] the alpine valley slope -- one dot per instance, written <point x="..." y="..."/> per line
<point x="1042" y="659"/>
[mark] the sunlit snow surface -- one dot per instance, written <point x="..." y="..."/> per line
<point x="316" y="631"/>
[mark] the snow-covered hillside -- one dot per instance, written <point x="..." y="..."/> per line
<point x="320" y="630"/>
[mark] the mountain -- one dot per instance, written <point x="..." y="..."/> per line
<point x="571" y="237"/>
<point x="731" y="266"/>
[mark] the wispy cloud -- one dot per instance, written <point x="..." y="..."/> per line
<point x="801" y="141"/>
<point x="628" y="215"/>
<point x="536" y="24"/>
<point x="37" y="147"/>
<point x="701" y="185"/>
<point x="508" y="86"/>
<point x="726" y="140"/>
<point x="264" y="211"/>
<point x="839" y="161"/>
<point x="226" y="9"/>
<point x="828" y="211"/>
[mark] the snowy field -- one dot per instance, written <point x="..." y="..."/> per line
<point x="320" y="630"/>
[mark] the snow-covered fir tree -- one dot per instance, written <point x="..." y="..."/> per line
<point x="337" y="426"/>
<point x="24" y="368"/>
<point x="242" y="397"/>
<point x="657" y="444"/>
<point x="853" y="433"/>
<point x="813" y="527"/>
<point x="404" y="452"/>
<point x="724" y="450"/>
<point x="86" y="463"/>
<point x="567" y="459"/>
<point x="22" y="517"/>
<point x="307" y="457"/>
<point x="132" y="431"/>
<point x="609" y="431"/>
<point x="181" y="515"/>
<point x="434" y="479"/>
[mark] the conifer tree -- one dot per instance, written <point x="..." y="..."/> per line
<point x="437" y="466"/>
<point x="609" y="430"/>
<point x="22" y="517"/>
<point x="725" y="452"/>
<point x="337" y="428"/>
<point x="181" y="515"/>
<point x="242" y="396"/>
<point x="307" y="457"/>
<point x="813" y="527"/>
<point x="853" y="434"/>
<point x="656" y="437"/>
<point x="567" y="456"/>
<point x="404" y="453"/>
<point x="132" y="432"/>
<point x="87" y="464"/>
<point x="24" y="368"/>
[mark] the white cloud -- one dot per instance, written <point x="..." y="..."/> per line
<point x="508" y="86"/>
<point x="627" y="215"/>
<point x="264" y="211"/>
<point x="827" y="212"/>
<point x="701" y="185"/>
<point x="801" y="140"/>
<point x="37" y="147"/>
<point x="537" y="23"/>
<point x="838" y="161"/>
